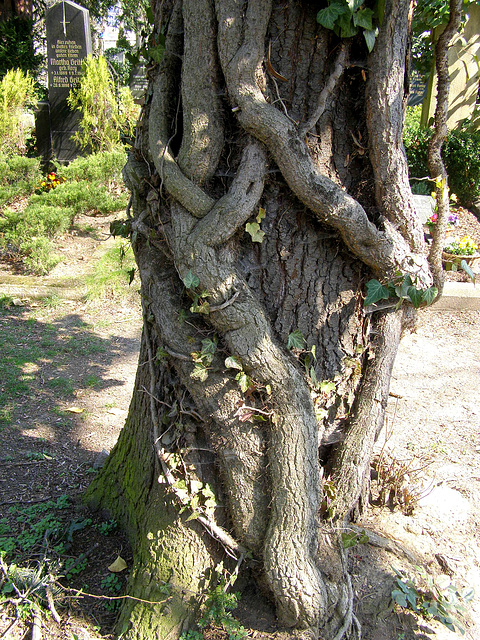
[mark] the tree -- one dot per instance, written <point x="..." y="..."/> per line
<point x="269" y="187"/>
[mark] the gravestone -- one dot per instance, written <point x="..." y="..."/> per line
<point x="424" y="206"/>
<point x="68" y="43"/>
<point x="139" y="82"/>
<point x="418" y="90"/>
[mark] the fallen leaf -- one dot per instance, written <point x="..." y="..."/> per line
<point x="118" y="565"/>
<point x="75" y="410"/>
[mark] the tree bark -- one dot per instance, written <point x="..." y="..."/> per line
<point x="284" y="121"/>
<point x="436" y="165"/>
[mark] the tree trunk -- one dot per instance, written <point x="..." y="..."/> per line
<point x="269" y="183"/>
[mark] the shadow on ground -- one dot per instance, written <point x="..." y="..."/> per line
<point x="52" y="377"/>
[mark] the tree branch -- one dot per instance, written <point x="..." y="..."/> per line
<point x="385" y="93"/>
<point x="194" y="199"/>
<point x="327" y="91"/>
<point x="237" y="205"/>
<point x="202" y="140"/>
<point x="385" y="252"/>
<point x="351" y="461"/>
<point x="436" y="166"/>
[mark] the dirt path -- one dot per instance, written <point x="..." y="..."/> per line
<point x="433" y="425"/>
<point x="70" y="366"/>
<point x="66" y="377"/>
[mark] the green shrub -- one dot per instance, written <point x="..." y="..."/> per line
<point x="462" y="158"/>
<point x="82" y="197"/>
<point x="460" y="154"/>
<point x="29" y="232"/>
<point x="105" y="115"/>
<point x="19" y="177"/>
<point x="39" y="255"/>
<point x="103" y="167"/>
<point x="17" y="92"/>
<point x="88" y="185"/>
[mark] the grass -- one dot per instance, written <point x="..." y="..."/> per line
<point x="112" y="273"/>
<point x="37" y="357"/>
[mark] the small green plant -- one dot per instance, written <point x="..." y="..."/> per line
<point x="106" y="528"/>
<point x="203" y="359"/>
<point x="347" y="18"/>
<point x="61" y="385"/>
<point x="111" y="583"/>
<point x="35" y="455"/>
<point x="17" y="91"/>
<point x="443" y="602"/>
<point x="352" y="539"/>
<point x="464" y="247"/>
<point x="219" y="605"/>
<point x="5" y="301"/>
<point x="191" y="634"/>
<point x="399" y="290"/>
<point x="32" y="524"/>
<point x="297" y="341"/>
<point x="200" y="304"/>
<point x="253" y="228"/>
<point x="92" y="381"/>
<point x="244" y="381"/>
<point x="74" y="566"/>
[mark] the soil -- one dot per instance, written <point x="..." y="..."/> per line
<point x="426" y="480"/>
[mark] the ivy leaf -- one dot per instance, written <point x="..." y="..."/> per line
<point x="253" y="228"/>
<point x="347" y="28"/>
<point x="429" y="295"/>
<point x="200" y="372"/>
<point x="208" y="492"/>
<point x="190" y="280"/>
<point x="349" y="540"/>
<point x="370" y="36"/>
<point x="155" y="53"/>
<point x="131" y="276"/>
<point x="354" y="4"/>
<point x="376" y="291"/>
<point x="327" y="17"/>
<point x="261" y="214"/>
<point x="363" y="18"/>
<point x="416" y="296"/>
<point x="295" y="340"/>
<point x="209" y="346"/>
<point x="326" y="386"/>
<point x="232" y="362"/>
<point x="243" y="380"/>
<point x="203" y="307"/>
<point x="402" y="290"/>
